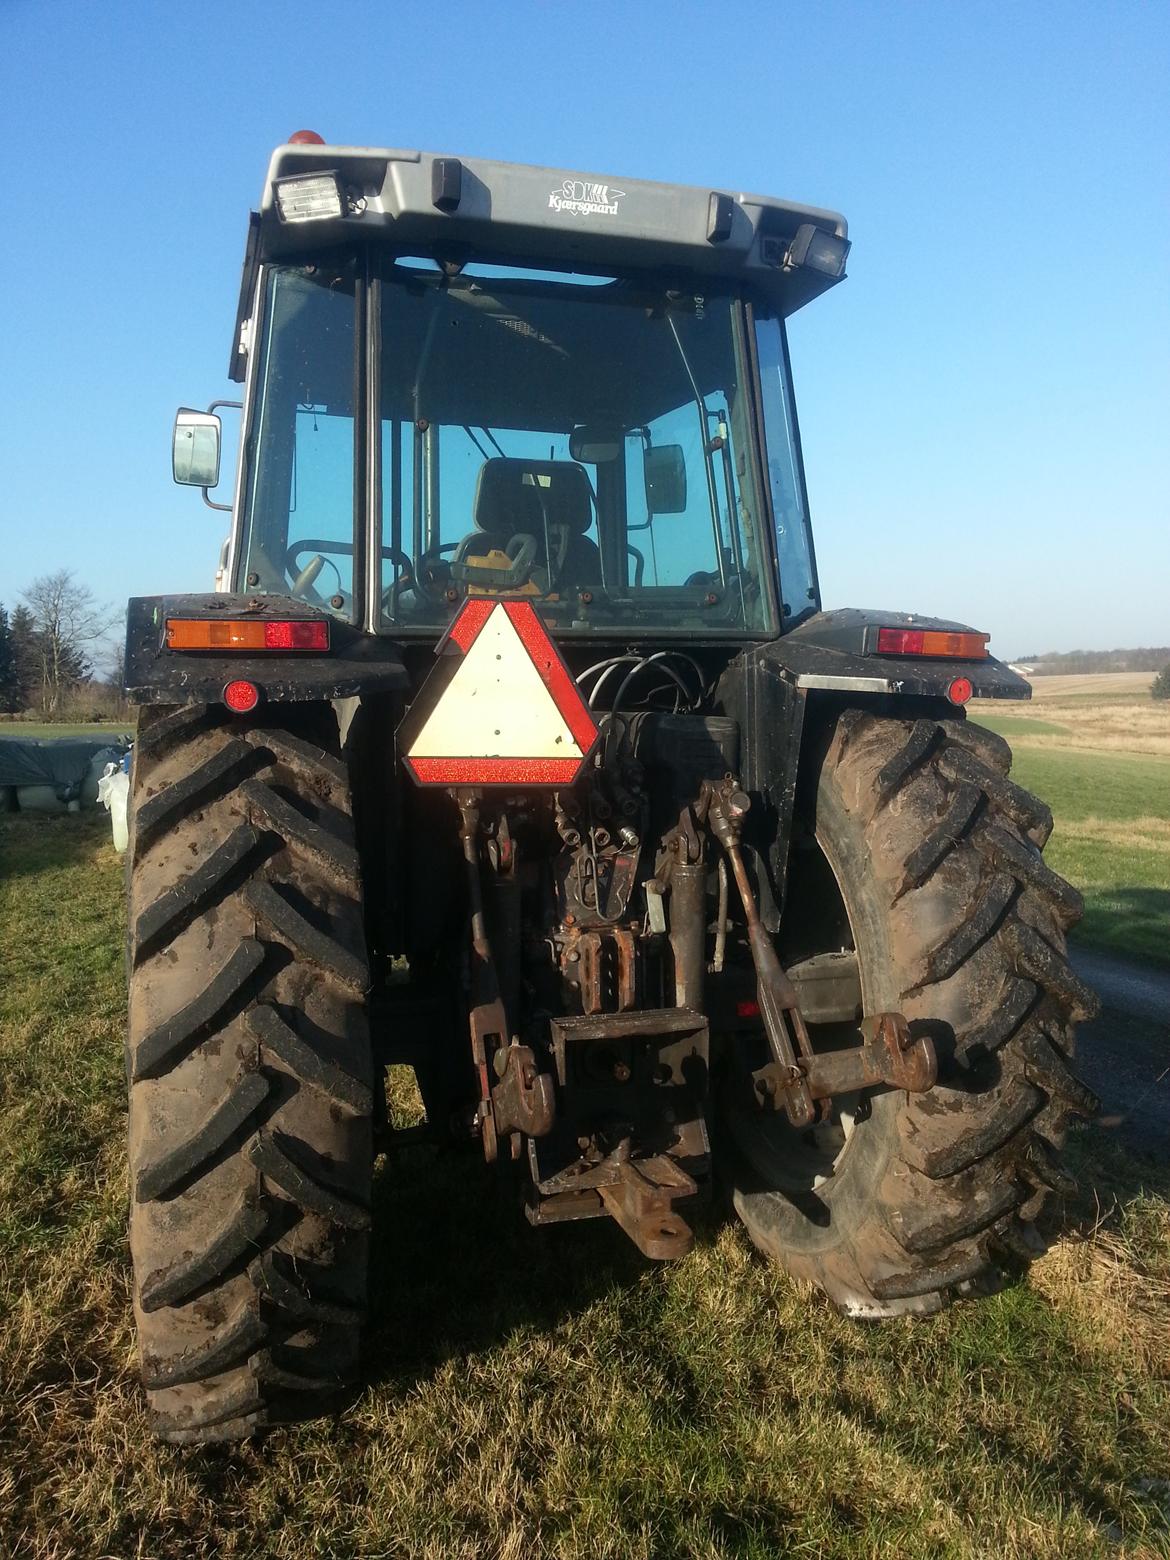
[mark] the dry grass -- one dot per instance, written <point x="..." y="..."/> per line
<point x="1150" y="833"/>
<point x="548" y="1394"/>
<point x="1108" y="713"/>
<point x="1097" y="749"/>
<point x="1075" y="685"/>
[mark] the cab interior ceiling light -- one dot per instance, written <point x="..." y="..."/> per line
<point x="309" y="197"/>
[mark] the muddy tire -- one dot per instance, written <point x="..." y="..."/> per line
<point x="249" y="1071"/>
<point x="958" y="923"/>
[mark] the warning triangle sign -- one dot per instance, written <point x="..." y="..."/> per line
<point x="509" y="713"/>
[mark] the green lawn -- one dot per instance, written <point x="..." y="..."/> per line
<point x="533" y="1394"/>
<point x="1112" y="838"/>
<point x="23" y="730"/>
<point x="1022" y="726"/>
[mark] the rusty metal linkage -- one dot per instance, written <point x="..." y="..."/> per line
<point x="523" y="1100"/>
<point x="784" y="1080"/>
<point x="888" y="1054"/>
<point x="638" y="1193"/>
<point x="641" y="1200"/>
<point x="523" y="1094"/>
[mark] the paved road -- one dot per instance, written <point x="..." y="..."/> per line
<point x="1128" y="1065"/>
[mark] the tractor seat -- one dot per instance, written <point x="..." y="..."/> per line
<point x="508" y="503"/>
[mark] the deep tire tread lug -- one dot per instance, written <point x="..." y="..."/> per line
<point x="937" y="846"/>
<point x="304" y="939"/>
<point x="894" y="773"/>
<point x="215" y="776"/>
<point x="979" y="927"/>
<point x="241" y="1234"/>
<point x="193" y="895"/>
<point x="277" y="1165"/>
<point x="1038" y="960"/>
<point x="169" y="1042"/>
<point x="241" y="1336"/>
<point x="268" y="1273"/>
<point x="278" y="1040"/>
<point x="337" y="857"/>
<point x="160" y="1177"/>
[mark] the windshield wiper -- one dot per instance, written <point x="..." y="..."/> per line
<point x="709" y="447"/>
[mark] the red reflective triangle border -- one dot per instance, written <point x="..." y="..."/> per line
<point x="553" y="673"/>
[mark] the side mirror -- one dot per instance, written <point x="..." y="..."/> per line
<point x="595" y="445"/>
<point x="195" y="448"/>
<point x="666" y="479"/>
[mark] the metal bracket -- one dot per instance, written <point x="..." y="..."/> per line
<point x="523" y="1100"/>
<point x="641" y="1201"/>
<point x="888" y="1054"/>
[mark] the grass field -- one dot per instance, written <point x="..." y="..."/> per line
<point x="1097" y="749"/>
<point x="546" y="1394"/>
<point x="23" y="730"/>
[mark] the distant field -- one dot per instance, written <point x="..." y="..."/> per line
<point x="1097" y="749"/>
<point x="22" y="730"/>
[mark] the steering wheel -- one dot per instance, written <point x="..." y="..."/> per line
<point x="304" y="576"/>
<point x="421" y="580"/>
<point x="303" y="583"/>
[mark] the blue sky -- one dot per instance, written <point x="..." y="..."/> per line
<point x="984" y="403"/>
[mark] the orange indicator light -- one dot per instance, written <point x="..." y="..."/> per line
<point x="932" y="641"/>
<point x="246" y="634"/>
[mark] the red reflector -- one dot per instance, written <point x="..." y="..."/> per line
<point x="960" y="690"/>
<point x="296" y="636"/>
<point x="241" y="696"/>
<point x="748" y="1008"/>
<point x="932" y="641"/>
<point x="306" y="138"/>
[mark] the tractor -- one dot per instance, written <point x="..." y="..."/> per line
<point x="514" y="747"/>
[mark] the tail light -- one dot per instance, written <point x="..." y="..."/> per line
<point x="932" y="641"/>
<point x="247" y="634"/>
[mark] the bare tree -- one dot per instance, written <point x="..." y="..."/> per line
<point x="69" y="623"/>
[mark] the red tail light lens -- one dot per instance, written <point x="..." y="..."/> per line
<point x="932" y="641"/>
<point x="247" y="634"/>
<point x="296" y="636"/>
<point x="241" y="696"/>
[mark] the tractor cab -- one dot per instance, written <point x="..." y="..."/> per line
<point x="470" y="378"/>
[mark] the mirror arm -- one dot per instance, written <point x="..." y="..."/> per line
<point x="708" y="462"/>
<point x="210" y="502"/>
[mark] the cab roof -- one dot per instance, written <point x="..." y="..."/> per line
<point x="510" y="213"/>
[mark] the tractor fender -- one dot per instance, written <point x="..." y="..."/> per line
<point x="355" y="663"/>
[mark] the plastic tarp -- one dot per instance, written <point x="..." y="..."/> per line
<point x="55" y="761"/>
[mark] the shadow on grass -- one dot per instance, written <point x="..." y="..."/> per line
<point x="458" y="1268"/>
<point x="1130" y="922"/>
<point x="1110" y="1174"/>
<point x="34" y="843"/>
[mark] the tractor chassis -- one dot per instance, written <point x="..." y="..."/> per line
<point x="613" y="1104"/>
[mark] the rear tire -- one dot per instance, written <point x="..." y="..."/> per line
<point x="958" y="923"/>
<point x="249" y="1071"/>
